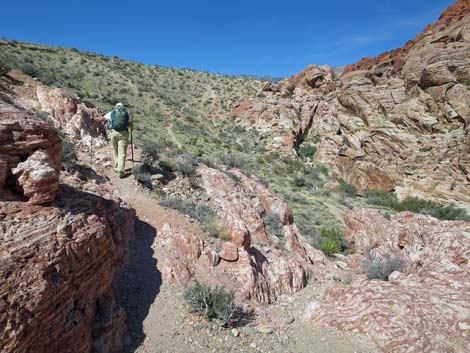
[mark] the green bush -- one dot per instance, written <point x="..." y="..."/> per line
<point x="207" y="217"/>
<point x="334" y="234"/>
<point x="330" y="247"/>
<point x="307" y="151"/>
<point x="234" y="160"/>
<point x="432" y="208"/>
<point x="188" y="165"/>
<point x="347" y="189"/>
<point x="4" y="69"/>
<point x="382" y="267"/>
<point x="299" y="179"/>
<point x="323" y="170"/>
<point x="213" y="303"/>
<point x="381" y="198"/>
<point x="151" y="151"/>
<point x="274" y="225"/>
<point x="142" y="175"/>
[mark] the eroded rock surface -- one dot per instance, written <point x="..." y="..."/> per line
<point x="57" y="261"/>
<point x="425" y="307"/>
<point x="37" y="178"/>
<point x="392" y="122"/>
<point x="266" y="265"/>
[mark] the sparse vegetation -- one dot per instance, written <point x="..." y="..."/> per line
<point x="307" y="151"/>
<point x="187" y="165"/>
<point x="431" y="208"/>
<point x="381" y="267"/>
<point x="330" y="247"/>
<point x="274" y="225"/>
<point x="381" y="198"/>
<point x="347" y="189"/>
<point x="333" y="235"/>
<point x="213" y="303"/>
<point x="142" y="175"/>
<point x="205" y="214"/>
<point x="151" y="151"/>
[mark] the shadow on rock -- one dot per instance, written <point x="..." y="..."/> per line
<point x="139" y="284"/>
<point x="242" y="318"/>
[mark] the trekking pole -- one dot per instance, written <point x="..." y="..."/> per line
<point x="132" y="149"/>
<point x="91" y="150"/>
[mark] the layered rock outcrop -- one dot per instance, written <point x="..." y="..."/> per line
<point x="395" y="122"/>
<point x="30" y="153"/>
<point x="267" y="263"/>
<point x="57" y="261"/>
<point x="425" y="307"/>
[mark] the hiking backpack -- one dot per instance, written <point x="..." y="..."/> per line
<point x="119" y="119"/>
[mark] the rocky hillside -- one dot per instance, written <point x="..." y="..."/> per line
<point x="153" y="92"/>
<point x="393" y="123"/>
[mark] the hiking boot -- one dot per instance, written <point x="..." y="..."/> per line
<point x="122" y="174"/>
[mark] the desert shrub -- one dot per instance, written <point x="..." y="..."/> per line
<point x="425" y="149"/>
<point x="207" y="217"/>
<point x="215" y="228"/>
<point x="274" y="225"/>
<point x="337" y="235"/>
<point x="30" y="70"/>
<point x="188" y="165"/>
<point x="307" y="151"/>
<point x="234" y="177"/>
<point x="347" y="189"/>
<point x="142" y="175"/>
<point x="213" y="303"/>
<point x="330" y="247"/>
<point x="381" y="198"/>
<point x="299" y="179"/>
<point x="234" y="160"/>
<point x="323" y="170"/>
<point x="69" y="155"/>
<point x="381" y="267"/>
<point x="467" y="83"/>
<point x="151" y="151"/>
<point x="432" y="208"/>
<point x="4" y="69"/>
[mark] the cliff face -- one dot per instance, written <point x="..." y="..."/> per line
<point x="62" y="237"/>
<point x="394" y="122"/>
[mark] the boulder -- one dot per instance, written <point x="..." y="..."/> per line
<point x="37" y="178"/>
<point x="57" y="265"/>
<point x="229" y="252"/>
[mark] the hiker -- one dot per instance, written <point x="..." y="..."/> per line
<point x="120" y="124"/>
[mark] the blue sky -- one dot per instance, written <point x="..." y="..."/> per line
<point x="277" y="38"/>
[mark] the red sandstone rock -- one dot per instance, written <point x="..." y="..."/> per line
<point x="229" y="252"/>
<point x="371" y="124"/>
<point x="37" y="178"/>
<point x="184" y="245"/>
<point x="423" y="309"/>
<point x="57" y="263"/>
<point x="264" y="274"/>
<point x="181" y="250"/>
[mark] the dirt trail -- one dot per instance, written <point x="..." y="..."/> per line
<point x="159" y="322"/>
